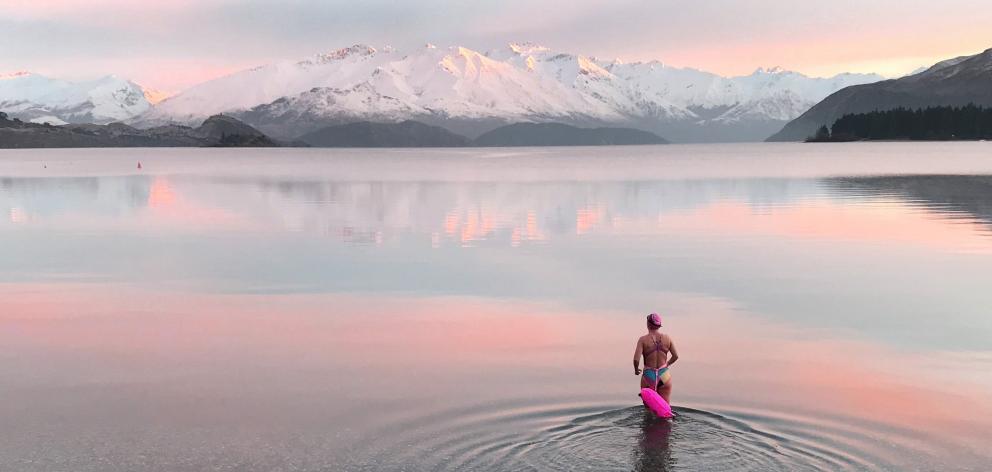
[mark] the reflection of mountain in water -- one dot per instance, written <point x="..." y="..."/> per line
<point x="368" y="211"/>
<point x="469" y="212"/>
<point x="514" y="212"/>
<point x="954" y="196"/>
<point x="40" y="197"/>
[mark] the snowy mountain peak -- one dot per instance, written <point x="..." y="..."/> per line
<point x="774" y="70"/>
<point x="588" y="66"/>
<point x="527" y="48"/>
<point x="519" y="82"/>
<point x="356" y="50"/>
<point x="30" y="96"/>
<point x="154" y="96"/>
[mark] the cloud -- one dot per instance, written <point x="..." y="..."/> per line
<point x="724" y="36"/>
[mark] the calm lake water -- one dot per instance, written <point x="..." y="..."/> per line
<point x="352" y="310"/>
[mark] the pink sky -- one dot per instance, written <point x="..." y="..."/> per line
<point x="172" y="45"/>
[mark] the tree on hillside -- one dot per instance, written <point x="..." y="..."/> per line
<point x="822" y="134"/>
<point x="932" y="123"/>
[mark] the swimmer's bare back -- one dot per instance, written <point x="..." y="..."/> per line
<point x="659" y="352"/>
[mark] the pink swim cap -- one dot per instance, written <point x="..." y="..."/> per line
<point x="654" y="320"/>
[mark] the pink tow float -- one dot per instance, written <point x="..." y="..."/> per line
<point x="656" y="404"/>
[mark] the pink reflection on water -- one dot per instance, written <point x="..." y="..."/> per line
<point x="18" y="215"/>
<point x="367" y="330"/>
<point x="880" y="221"/>
<point x="891" y="223"/>
<point x="525" y="348"/>
<point x="475" y="223"/>
<point x="587" y="219"/>
<point x="168" y="207"/>
<point x="161" y="194"/>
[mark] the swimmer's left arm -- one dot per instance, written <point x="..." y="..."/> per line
<point x="674" y="353"/>
<point x="637" y="357"/>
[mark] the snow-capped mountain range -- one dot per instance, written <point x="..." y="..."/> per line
<point x="34" y="97"/>
<point x="467" y="91"/>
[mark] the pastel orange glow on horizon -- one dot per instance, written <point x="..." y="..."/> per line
<point x="825" y="56"/>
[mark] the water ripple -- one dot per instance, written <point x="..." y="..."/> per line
<point x="610" y="437"/>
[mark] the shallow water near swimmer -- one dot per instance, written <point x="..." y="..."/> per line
<point x="359" y="310"/>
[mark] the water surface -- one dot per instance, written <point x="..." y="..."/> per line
<point x="477" y="309"/>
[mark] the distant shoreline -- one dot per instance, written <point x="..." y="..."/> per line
<point x="893" y="140"/>
<point x="226" y="131"/>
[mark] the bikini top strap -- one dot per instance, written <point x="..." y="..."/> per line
<point x="657" y="347"/>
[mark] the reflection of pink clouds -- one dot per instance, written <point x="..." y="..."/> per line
<point x="728" y="357"/>
<point x="891" y="224"/>
<point x="380" y="330"/>
<point x="160" y="194"/>
<point x="744" y="360"/>
<point x="470" y="230"/>
<point x="451" y="223"/>
<point x="478" y="223"/>
<point x="588" y="218"/>
<point x="532" y="232"/>
<point x="167" y="208"/>
<point x="18" y="215"/>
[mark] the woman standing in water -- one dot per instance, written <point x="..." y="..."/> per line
<point x="659" y="354"/>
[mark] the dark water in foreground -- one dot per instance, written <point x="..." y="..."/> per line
<point x="477" y="309"/>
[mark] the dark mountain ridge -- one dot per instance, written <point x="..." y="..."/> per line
<point x="215" y="131"/>
<point x="955" y="82"/>
<point x="415" y="134"/>
<point x="368" y="134"/>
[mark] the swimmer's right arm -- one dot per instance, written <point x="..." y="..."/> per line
<point x="674" y="353"/>
<point x="637" y="358"/>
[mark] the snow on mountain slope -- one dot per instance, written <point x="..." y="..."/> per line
<point x="341" y="69"/>
<point x="31" y="96"/>
<point x="154" y="96"/>
<point x="455" y="82"/>
<point x="652" y="89"/>
<point x="776" y="94"/>
<point x="520" y="82"/>
<point x="600" y="89"/>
